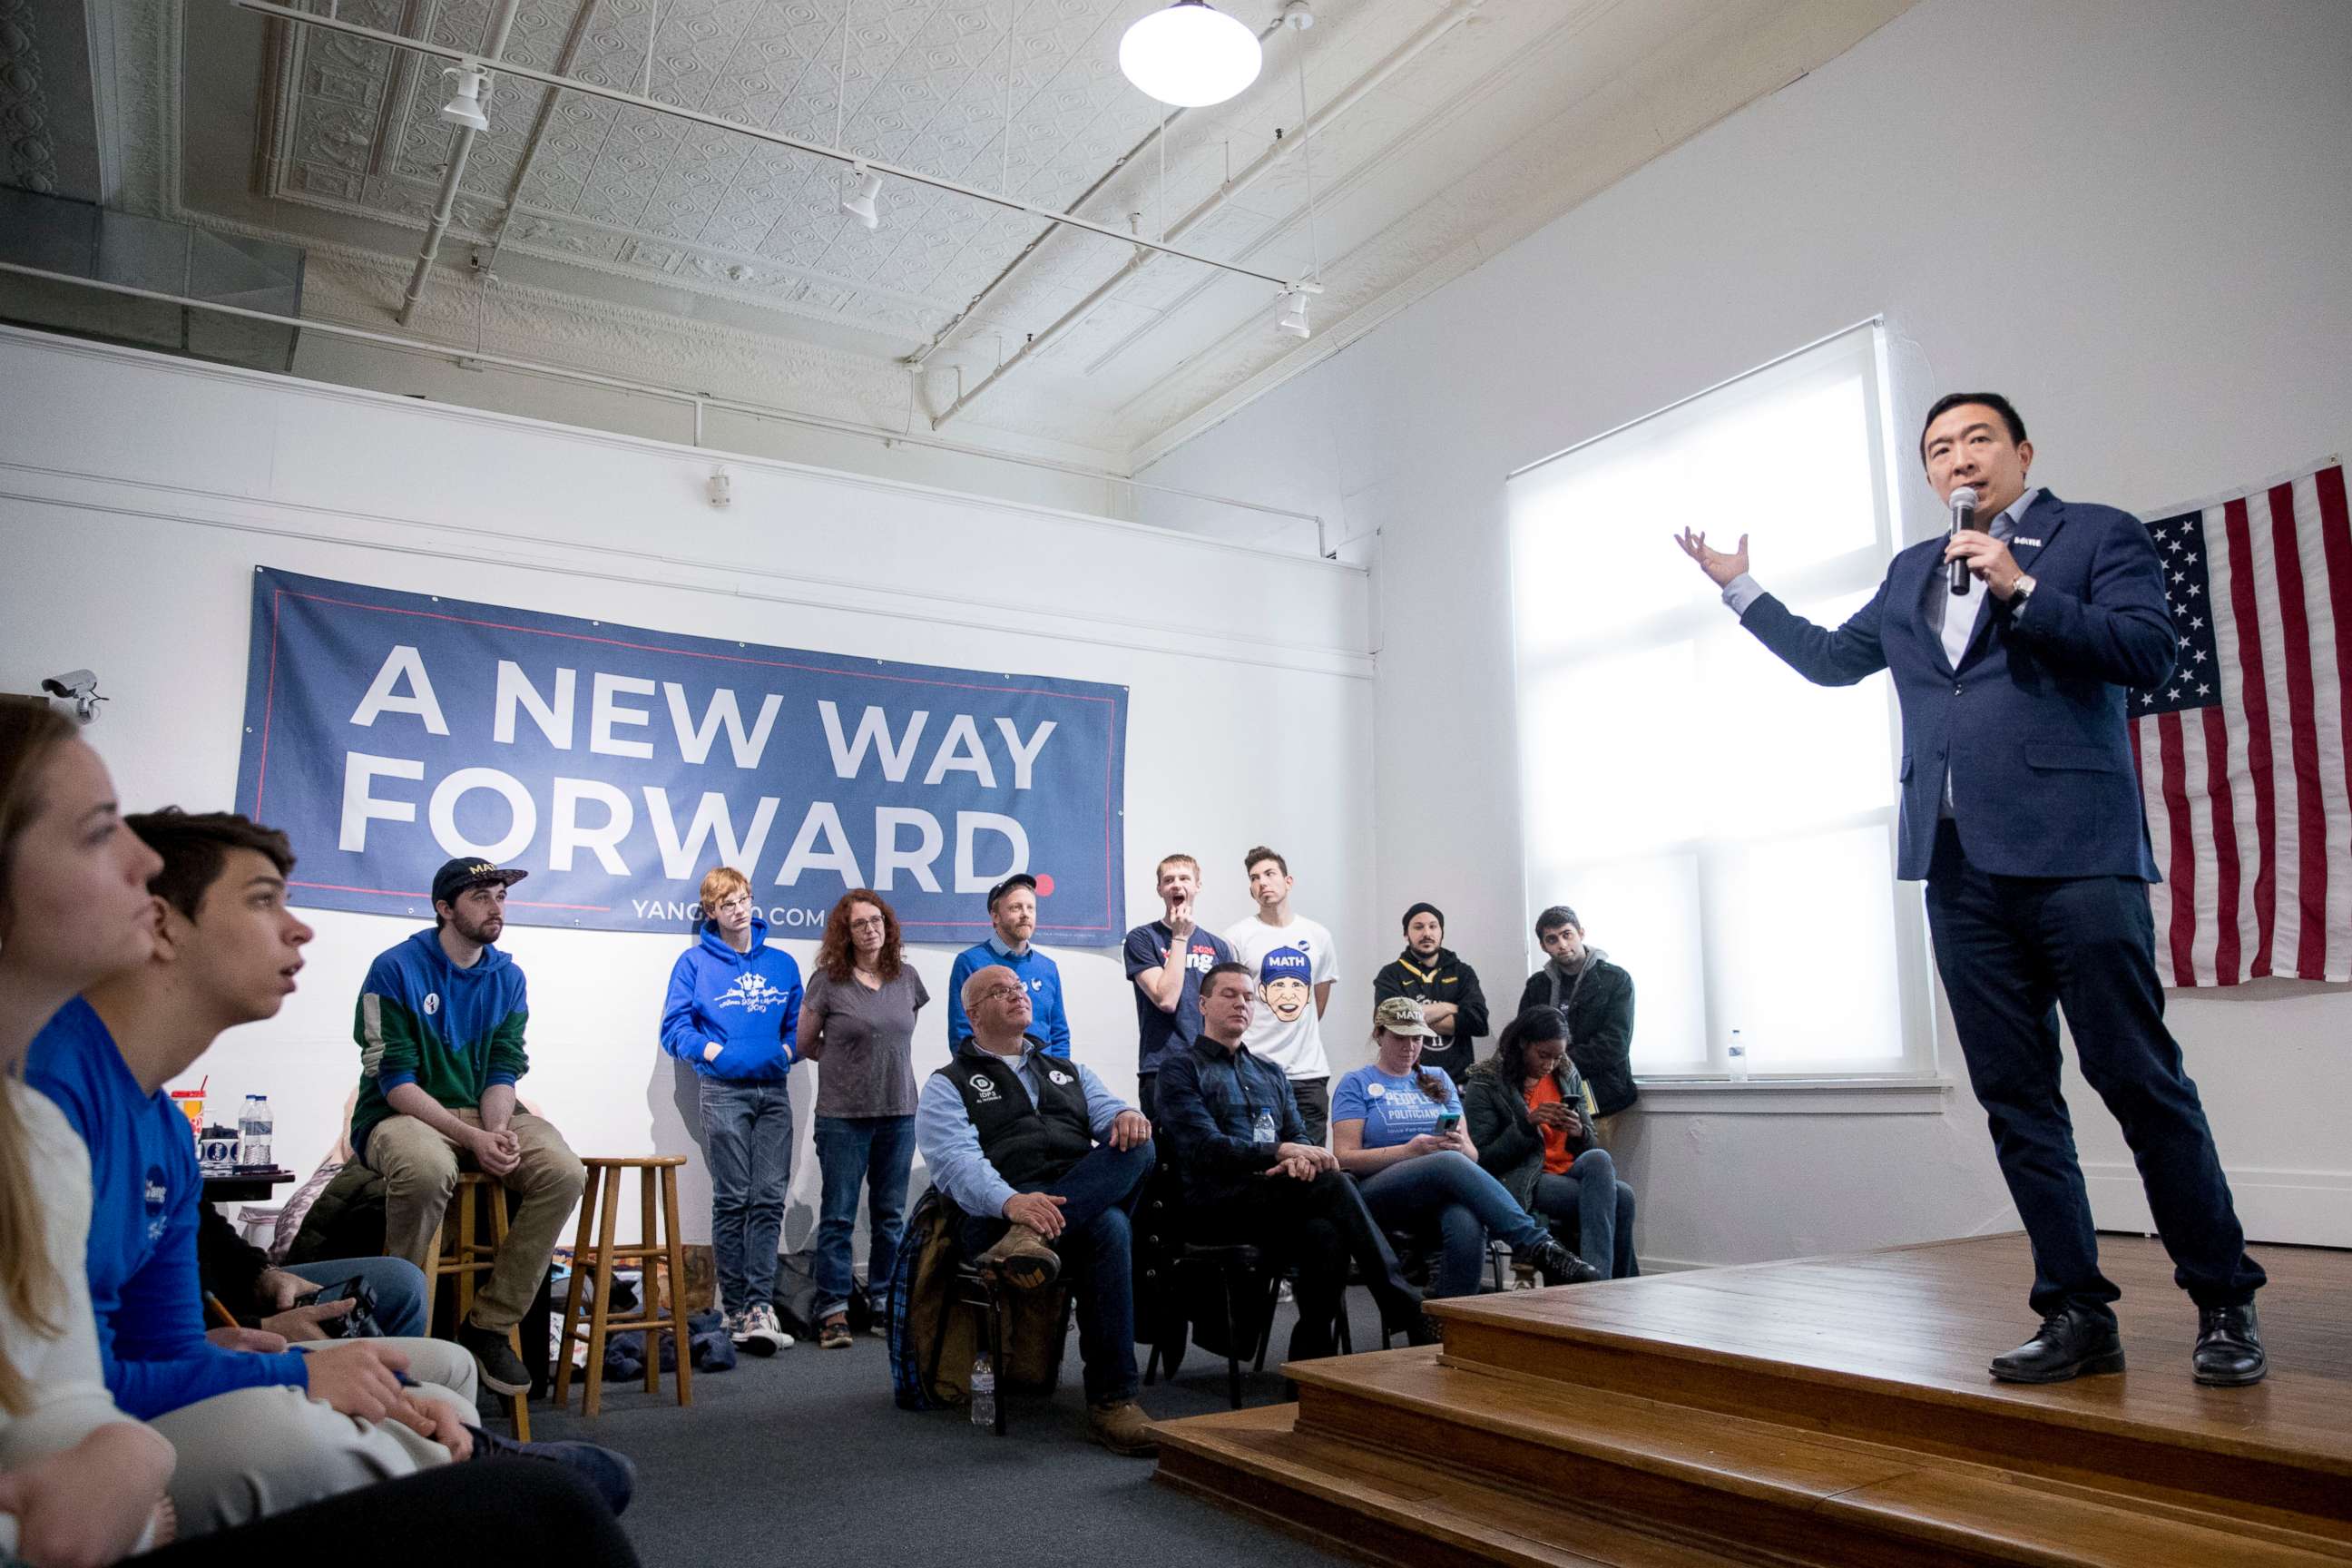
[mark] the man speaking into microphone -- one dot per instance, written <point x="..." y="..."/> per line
<point x="2022" y="811"/>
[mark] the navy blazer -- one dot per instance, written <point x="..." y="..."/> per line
<point x="2033" y="722"/>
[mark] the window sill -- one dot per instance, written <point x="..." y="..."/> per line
<point x="1796" y="1097"/>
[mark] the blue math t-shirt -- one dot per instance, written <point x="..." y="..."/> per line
<point x="1393" y="1108"/>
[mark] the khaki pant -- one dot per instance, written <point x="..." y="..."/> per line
<point x="260" y="1451"/>
<point x="420" y="1168"/>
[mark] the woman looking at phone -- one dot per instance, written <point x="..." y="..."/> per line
<point x="1532" y="1115"/>
<point x="1397" y="1128"/>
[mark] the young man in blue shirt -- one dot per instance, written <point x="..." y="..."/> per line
<point x="1166" y="959"/>
<point x="258" y="1432"/>
<point x="1013" y="909"/>
<point x="1045" y="1164"/>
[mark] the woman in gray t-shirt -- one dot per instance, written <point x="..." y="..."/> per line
<point x="857" y="1022"/>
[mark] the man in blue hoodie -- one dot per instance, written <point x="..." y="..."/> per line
<point x="439" y="1025"/>
<point x="734" y="1012"/>
<point x="1013" y="909"/>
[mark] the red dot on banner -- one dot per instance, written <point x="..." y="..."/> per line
<point x="1044" y="884"/>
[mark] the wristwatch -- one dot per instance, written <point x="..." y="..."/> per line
<point x="2020" y="591"/>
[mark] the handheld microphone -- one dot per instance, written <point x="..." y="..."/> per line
<point x="1964" y="515"/>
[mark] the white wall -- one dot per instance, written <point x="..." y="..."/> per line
<point x="137" y="494"/>
<point x="2133" y="215"/>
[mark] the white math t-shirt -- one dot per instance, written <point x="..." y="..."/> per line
<point x="1288" y="962"/>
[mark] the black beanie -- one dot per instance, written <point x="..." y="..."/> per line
<point x="1426" y="908"/>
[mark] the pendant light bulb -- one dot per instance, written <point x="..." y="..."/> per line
<point x="1190" y="54"/>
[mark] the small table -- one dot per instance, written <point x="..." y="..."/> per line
<point x="244" y="1186"/>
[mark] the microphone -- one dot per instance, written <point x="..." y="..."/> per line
<point x="1964" y="515"/>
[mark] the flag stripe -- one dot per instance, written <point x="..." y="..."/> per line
<point x="2225" y="848"/>
<point x="2256" y="700"/>
<point x="2311" y="822"/>
<point x="2336" y="540"/>
<point x="2183" y="870"/>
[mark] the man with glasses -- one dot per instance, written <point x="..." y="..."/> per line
<point x="733" y="1008"/>
<point x="1046" y="1165"/>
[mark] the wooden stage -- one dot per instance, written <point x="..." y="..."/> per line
<point x="1826" y="1410"/>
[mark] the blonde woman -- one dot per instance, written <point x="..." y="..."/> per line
<point x="80" y="1482"/>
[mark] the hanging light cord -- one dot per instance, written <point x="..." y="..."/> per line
<point x="1307" y="162"/>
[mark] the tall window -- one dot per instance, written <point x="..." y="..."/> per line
<point x="1725" y="828"/>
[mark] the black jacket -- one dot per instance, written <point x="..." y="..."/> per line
<point x="1600" y="1028"/>
<point x="1445" y="978"/>
<point x="1511" y="1144"/>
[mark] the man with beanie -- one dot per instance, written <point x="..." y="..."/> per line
<point x="1430" y="972"/>
<point x="439" y="1026"/>
<point x="1598" y="998"/>
<point x="733" y="1013"/>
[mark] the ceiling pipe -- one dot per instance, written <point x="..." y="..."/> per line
<point x="679" y="111"/>
<point x="699" y="400"/>
<point x="537" y="131"/>
<point x="494" y="43"/>
<point x="1397" y="59"/>
<point x="954" y="329"/>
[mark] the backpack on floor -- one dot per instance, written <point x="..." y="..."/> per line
<point x="934" y="1336"/>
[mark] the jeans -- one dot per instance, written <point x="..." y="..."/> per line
<point x="2012" y="951"/>
<point x="1317" y="1227"/>
<point x="1097" y="1249"/>
<point x="1448" y="1193"/>
<point x="1313" y="1098"/>
<point x="878" y="1153"/>
<point x="747" y="1137"/>
<point x="1605" y="1231"/>
<point x="401" y="1309"/>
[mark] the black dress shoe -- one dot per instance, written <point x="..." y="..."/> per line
<point x="1559" y="1266"/>
<point x="2229" y="1352"/>
<point x="2068" y="1344"/>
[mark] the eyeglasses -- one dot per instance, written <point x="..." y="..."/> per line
<point x="740" y="902"/>
<point x="871" y="922"/>
<point x="1001" y="993"/>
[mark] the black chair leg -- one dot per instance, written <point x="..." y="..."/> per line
<point x="1233" y="1351"/>
<point x="1347" y="1337"/>
<point x="1273" y="1299"/>
<point x="996" y="1355"/>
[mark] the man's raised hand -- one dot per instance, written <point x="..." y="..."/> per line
<point x="1719" y="566"/>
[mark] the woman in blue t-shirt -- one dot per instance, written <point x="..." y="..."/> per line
<point x="1398" y="1131"/>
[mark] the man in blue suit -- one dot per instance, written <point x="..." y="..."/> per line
<point x="2022" y="811"/>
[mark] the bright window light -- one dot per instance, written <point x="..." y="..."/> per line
<point x="1725" y="827"/>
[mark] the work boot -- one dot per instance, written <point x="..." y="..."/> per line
<point x="1023" y="1260"/>
<point x="1123" y="1428"/>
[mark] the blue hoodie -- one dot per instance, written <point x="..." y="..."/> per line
<point x="750" y="1003"/>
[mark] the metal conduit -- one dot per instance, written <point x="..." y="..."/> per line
<point x="701" y="401"/>
<point x="494" y="43"/>
<point x="1404" y="55"/>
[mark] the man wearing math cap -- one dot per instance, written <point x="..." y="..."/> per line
<point x="1013" y="909"/>
<point x="440" y="1025"/>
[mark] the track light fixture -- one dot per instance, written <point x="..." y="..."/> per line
<point x="1293" y="310"/>
<point x="1191" y="54"/>
<point x="861" y="206"/>
<point x="469" y="104"/>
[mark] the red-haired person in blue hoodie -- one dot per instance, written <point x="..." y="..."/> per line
<point x="734" y="1006"/>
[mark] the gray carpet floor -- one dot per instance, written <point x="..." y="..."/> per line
<point x="802" y="1458"/>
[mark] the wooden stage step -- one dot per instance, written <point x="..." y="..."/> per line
<point x="1826" y="1410"/>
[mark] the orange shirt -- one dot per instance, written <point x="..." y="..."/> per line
<point x="1557" y="1157"/>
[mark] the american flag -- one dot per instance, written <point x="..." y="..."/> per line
<point x="2242" y="753"/>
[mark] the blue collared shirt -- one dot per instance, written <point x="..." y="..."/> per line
<point x="950" y="1143"/>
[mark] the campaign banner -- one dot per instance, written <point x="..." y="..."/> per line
<point x="387" y="732"/>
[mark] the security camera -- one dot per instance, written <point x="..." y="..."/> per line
<point x="78" y="687"/>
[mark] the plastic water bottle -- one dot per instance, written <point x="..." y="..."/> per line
<point x="1736" y="1053"/>
<point x="983" y="1392"/>
<point x="253" y="1132"/>
<point x="1263" y="1131"/>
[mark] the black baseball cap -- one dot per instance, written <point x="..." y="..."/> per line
<point x="1018" y="879"/>
<point x="470" y="871"/>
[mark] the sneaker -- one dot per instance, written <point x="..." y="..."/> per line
<point x="731" y="1321"/>
<point x="1559" y="1266"/>
<point x="1282" y="1293"/>
<point x="834" y="1334"/>
<point x="1022" y="1259"/>
<point x="503" y="1370"/>
<point x="612" y="1477"/>
<point x="1123" y="1428"/>
<point x="763" y="1333"/>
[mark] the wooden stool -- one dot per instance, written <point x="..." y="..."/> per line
<point x="467" y="1256"/>
<point x="656" y="1252"/>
